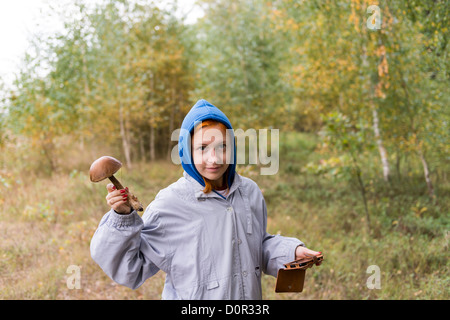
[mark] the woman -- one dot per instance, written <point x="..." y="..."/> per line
<point x="207" y="231"/>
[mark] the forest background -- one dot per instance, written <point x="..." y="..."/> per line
<point x="358" y="90"/>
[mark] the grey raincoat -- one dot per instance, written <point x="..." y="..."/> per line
<point x="209" y="247"/>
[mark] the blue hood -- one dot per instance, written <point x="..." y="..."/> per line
<point x="202" y="110"/>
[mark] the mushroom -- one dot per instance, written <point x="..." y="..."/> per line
<point x="106" y="167"/>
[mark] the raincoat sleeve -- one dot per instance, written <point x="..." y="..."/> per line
<point x="128" y="250"/>
<point x="277" y="250"/>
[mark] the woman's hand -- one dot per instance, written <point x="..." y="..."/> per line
<point x="303" y="252"/>
<point x="118" y="199"/>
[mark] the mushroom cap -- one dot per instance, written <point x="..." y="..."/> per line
<point x="104" y="167"/>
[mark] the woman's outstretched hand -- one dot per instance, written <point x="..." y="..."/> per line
<point x="118" y="199"/>
<point x="303" y="252"/>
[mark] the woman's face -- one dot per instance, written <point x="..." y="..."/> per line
<point x="210" y="154"/>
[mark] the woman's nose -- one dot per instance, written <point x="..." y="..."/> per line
<point x="212" y="157"/>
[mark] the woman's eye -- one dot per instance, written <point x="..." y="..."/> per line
<point x="203" y="148"/>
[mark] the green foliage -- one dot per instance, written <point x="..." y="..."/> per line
<point x="120" y="76"/>
<point x="108" y="67"/>
<point x="340" y="132"/>
<point x="240" y="62"/>
<point x="48" y="224"/>
<point x="408" y="242"/>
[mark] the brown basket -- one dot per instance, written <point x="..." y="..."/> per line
<point x="292" y="277"/>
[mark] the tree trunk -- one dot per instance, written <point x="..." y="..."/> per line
<point x="377" y="91"/>
<point x="150" y="104"/>
<point x="397" y="166"/>
<point x="362" y="188"/>
<point x="376" y="128"/>
<point x="381" y="148"/>
<point x="125" y="138"/>
<point x="426" y="172"/>
<point x="141" y="147"/>
<point x="152" y="143"/>
<point x="171" y="119"/>
<point x="47" y="148"/>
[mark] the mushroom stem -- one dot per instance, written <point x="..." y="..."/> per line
<point x="134" y="202"/>
<point x="116" y="182"/>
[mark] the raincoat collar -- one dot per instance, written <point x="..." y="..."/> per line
<point x="198" y="188"/>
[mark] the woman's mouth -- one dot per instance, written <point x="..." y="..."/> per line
<point x="213" y="169"/>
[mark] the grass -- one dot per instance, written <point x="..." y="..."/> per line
<point x="47" y="223"/>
